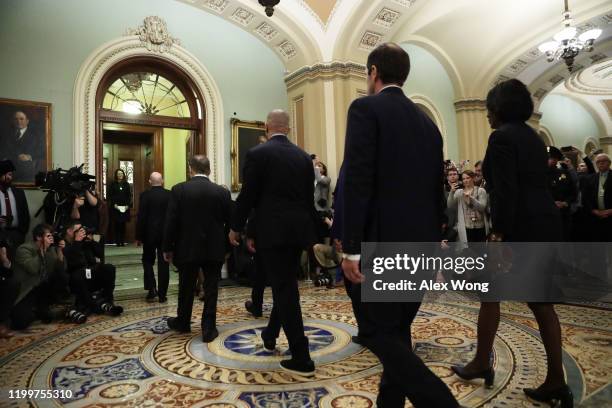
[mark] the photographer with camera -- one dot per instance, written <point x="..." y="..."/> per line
<point x="39" y="271"/>
<point x="14" y="212"/>
<point x="91" y="282"/>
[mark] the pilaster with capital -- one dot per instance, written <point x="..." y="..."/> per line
<point x="319" y="98"/>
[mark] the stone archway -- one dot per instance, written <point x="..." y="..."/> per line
<point x="108" y="55"/>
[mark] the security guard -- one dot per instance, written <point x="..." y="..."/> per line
<point x="563" y="186"/>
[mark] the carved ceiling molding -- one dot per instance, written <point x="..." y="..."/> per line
<point x="252" y="20"/>
<point x="470" y="105"/>
<point x="578" y="82"/>
<point x="153" y="34"/>
<point x="533" y="55"/>
<point x="325" y="72"/>
<point x="382" y="23"/>
<point x="548" y="81"/>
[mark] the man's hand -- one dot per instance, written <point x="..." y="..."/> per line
<point x="4" y="258"/>
<point x="561" y="204"/>
<point x="234" y="237"/>
<point x="328" y="222"/>
<point x="338" y="245"/>
<point x="24" y="157"/>
<point x="78" y="202"/>
<point x="60" y="250"/>
<point x="250" y="244"/>
<point x="168" y="256"/>
<point x="351" y="271"/>
<point x="3" y="222"/>
<point x="444" y="244"/>
<point x="600" y="213"/>
<point x="138" y="243"/>
<point x="80" y="235"/>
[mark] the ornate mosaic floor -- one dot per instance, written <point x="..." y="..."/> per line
<point x="135" y="361"/>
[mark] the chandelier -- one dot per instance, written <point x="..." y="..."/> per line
<point x="269" y="5"/>
<point x="566" y="45"/>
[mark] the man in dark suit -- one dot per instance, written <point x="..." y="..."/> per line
<point x="599" y="200"/>
<point x="150" y="231"/>
<point x="26" y="147"/>
<point x="14" y="212"/>
<point x="279" y="184"/>
<point x="385" y="131"/>
<point x="194" y="238"/>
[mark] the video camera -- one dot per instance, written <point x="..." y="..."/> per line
<point x="69" y="182"/>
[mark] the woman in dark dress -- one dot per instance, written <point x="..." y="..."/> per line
<point x="522" y="210"/>
<point x="120" y="200"/>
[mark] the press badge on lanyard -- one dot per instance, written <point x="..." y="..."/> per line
<point x="88" y="273"/>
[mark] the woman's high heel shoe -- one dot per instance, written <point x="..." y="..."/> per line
<point x="563" y="396"/>
<point x="488" y="375"/>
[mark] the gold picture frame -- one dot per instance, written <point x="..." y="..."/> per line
<point x="30" y="151"/>
<point x="245" y="135"/>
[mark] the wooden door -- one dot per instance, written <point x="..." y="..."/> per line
<point x="137" y="154"/>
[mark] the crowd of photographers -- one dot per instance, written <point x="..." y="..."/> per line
<point x="58" y="273"/>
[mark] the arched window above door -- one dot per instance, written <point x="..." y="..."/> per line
<point x="146" y="93"/>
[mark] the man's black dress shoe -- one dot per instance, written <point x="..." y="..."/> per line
<point x="269" y="345"/>
<point x="174" y="324"/>
<point x="562" y="396"/>
<point x="250" y="307"/>
<point x="163" y="299"/>
<point x="306" y="368"/>
<point x="209" y="335"/>
<point x="151" y="295"/>
<point x="488" y="375"/>
<point x="357" y="340"/>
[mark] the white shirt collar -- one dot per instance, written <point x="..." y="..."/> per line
<point x="22" y="131"/>
<point x="199" y="175"/>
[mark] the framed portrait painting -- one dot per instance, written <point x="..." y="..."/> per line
<point x="245" y="134"/>
<point x="25" y="138"/>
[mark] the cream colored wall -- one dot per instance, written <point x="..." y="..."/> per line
<point x="326" y="97"/>
<point x="175" y="151"/>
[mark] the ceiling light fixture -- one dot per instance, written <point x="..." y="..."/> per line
<point x="566" y="45"/>
<point x="269" y="5"/>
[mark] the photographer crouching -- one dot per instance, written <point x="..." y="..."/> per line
<point x="38" y="273"/>
<point x="91" y="282"/>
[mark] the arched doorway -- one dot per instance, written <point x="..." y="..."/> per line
<point x="149" y="117"/>
<point x="429" y="108"/>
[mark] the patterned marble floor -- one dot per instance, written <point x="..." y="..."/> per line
<point x="135" y="361"/>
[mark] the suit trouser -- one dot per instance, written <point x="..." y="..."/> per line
<point x="259" y="284"/>
<point x="353" y="290"/>
<point x="404" y="374"/>
<point x="9" y="289"/>
<point x="281" y="266"/>
<point x="34" y="304"/>
<point x="102" y="279"/>
<point x="188" y="274"/>
<point x="149" y="253"/>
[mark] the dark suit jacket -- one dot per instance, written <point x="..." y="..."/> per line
<point x="592" y="190"/>
<point x="197" y="214"/>
<point x="516" y="170"/>
<point x="33" y="143"/>
<point x="152" y="215"/>
<point x="279" y="184"/>
<point x="23" y="212"/>
<point x="393" y="163"/>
